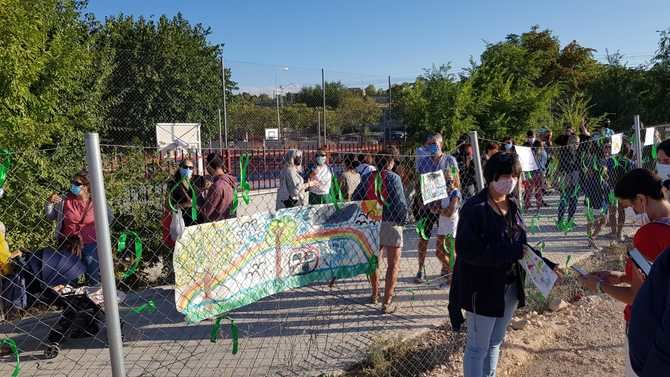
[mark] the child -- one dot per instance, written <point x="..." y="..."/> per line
<point x="448" y="221"/>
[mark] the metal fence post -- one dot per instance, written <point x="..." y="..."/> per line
<point x="479" y="172"/>
<point x="112" y="318"/>
<point x="638" y="141"/>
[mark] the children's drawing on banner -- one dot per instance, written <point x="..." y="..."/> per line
<point x="228" y="264"/>
<point x="433" y="186"/>
<point x="539" y="273"/>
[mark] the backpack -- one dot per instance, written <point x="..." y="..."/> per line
<point x="372" y="192"/>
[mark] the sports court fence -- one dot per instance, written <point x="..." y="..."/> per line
<point x="267" y="292"/>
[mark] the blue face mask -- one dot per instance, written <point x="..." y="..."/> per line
<point x="433" y="149"/>
<point x="184" y="172"/>
<point x="75" y="190"/>
<point x="320" y="160"/>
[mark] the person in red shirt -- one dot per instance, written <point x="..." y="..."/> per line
<point x="641" y="190"/>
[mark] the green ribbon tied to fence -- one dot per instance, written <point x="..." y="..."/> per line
<point x="373" y="263"/>
<point x="421" y="228"/>
<point x="653" y="152"/>
<point x="336" y="196"/>
<point x="379" y="191"/>
<point x="15" y="351"/>
<point x="121" y="247"/>
<point x="234" y="332"/>
<point x="589" y="211"/>
<point x="611" y="198"/>
<point x="450" y="246"/>
<point x="194" y="197"/>
<point x="567" y="261"/>
<point x="245" y="187"/>
<point x="149" y="306"/>
<point x="534" y="228"/>
<point x="4" y="166"/>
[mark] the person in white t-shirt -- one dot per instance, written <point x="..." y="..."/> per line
<point x="322" y="178"/>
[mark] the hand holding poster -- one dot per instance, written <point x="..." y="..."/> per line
<point x="433" y="186"/>
<point x="539" y="273"/>
<point x="526" y="158"/>
<point x="617" y="141"/>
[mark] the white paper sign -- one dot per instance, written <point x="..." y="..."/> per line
<point x="526" y="158"/>
<point x="433" y="187"/>
<point x="538" y="272"/>
<point x="649" y="136"/>
<point x="617" y="141"/>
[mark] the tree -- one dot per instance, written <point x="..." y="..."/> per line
<point x="164" y="71"/>
<point x="370" y="91"/>
<point x="355" y="114"/>
<point x="312" y="96"/>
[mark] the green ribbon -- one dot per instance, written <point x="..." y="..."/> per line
<point x="233" y="206"/>
<point x="612" y="199"/>
<point x="12" y="346"/>
<point x="567" y="261"/>
<point x="451" y="247"/>
<point x="4" y="166"/>
<point x="123" y="238"/>
<point x="194" y="198"/>
<point x="234" y="333"/>
<point x="379" y="192"/>
<point x="576" y="192"/>
<point x="150" y="307"/>
<point x="653" y="152"/>
<point x="373" y="263"/>
<point x="540" y="245"/>
<point x="589" y="211"/>
<point x="244" y="184"/>
<point x="421" y="228"/>
<point x="615" y="159"/>
<point x="533" y="224"/>
<point x="336" y="196"/>
<point x="565" y="226"/>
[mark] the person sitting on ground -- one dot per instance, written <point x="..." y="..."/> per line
<point x="641" y="190"/>
<point x="320" y="179"/>
<point x="488" y="281"/>
<point x="292" y="189"/>
<point x="428" y="213"/>
<point x="349" y="179"/>
<point x="394" y="213"/>
<point x="217" y="204"/>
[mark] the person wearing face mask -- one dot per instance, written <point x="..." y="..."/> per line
<point x="320" y="178"/>
<point x="640" y="190"/>
<point x="488" y="280"/>
<point x="508" y="144"/>
<point x="181" y="190"/>
<point x="663" y="161"/>
<point x="429" y="213"/>
<point x="530" y="138"/>
<point x="291" y="191"/>
<point x="75" y="217"/>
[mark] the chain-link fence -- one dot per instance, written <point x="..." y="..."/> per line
<point x="252" y="287"/>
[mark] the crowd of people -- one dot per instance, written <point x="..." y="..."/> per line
<point x="481" y="235"/>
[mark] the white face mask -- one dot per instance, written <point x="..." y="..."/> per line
<point x="320" y="160"/>
<point x="504" y="185"/>
<point x="663" y="171"/>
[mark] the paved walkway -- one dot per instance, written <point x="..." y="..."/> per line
<point x="303" y="332"/>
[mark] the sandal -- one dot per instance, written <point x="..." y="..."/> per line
<point x="375" y="299"/>
<point x="389" y="308"/>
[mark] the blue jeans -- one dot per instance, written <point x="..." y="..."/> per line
<point x="89" y="256"/>
<point x="485" y="335"/>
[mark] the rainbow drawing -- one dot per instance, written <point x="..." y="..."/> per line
<point x="225" y="265"/>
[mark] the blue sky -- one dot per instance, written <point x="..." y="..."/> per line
<point x="273" y="43"/>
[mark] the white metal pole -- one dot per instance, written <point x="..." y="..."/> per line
<point x="225" y="111"/>
<point x="638" y="141"/>
<point x="112" y="318"/>
<point x="479" y="174"/>
<point x="323" y="92"/>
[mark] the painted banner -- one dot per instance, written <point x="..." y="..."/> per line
<point x="228" y="264"/>
<point x="433" y="186"/>
<point x="539" y="273"/>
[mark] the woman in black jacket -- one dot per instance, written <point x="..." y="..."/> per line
<point x="488" y="281"/>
